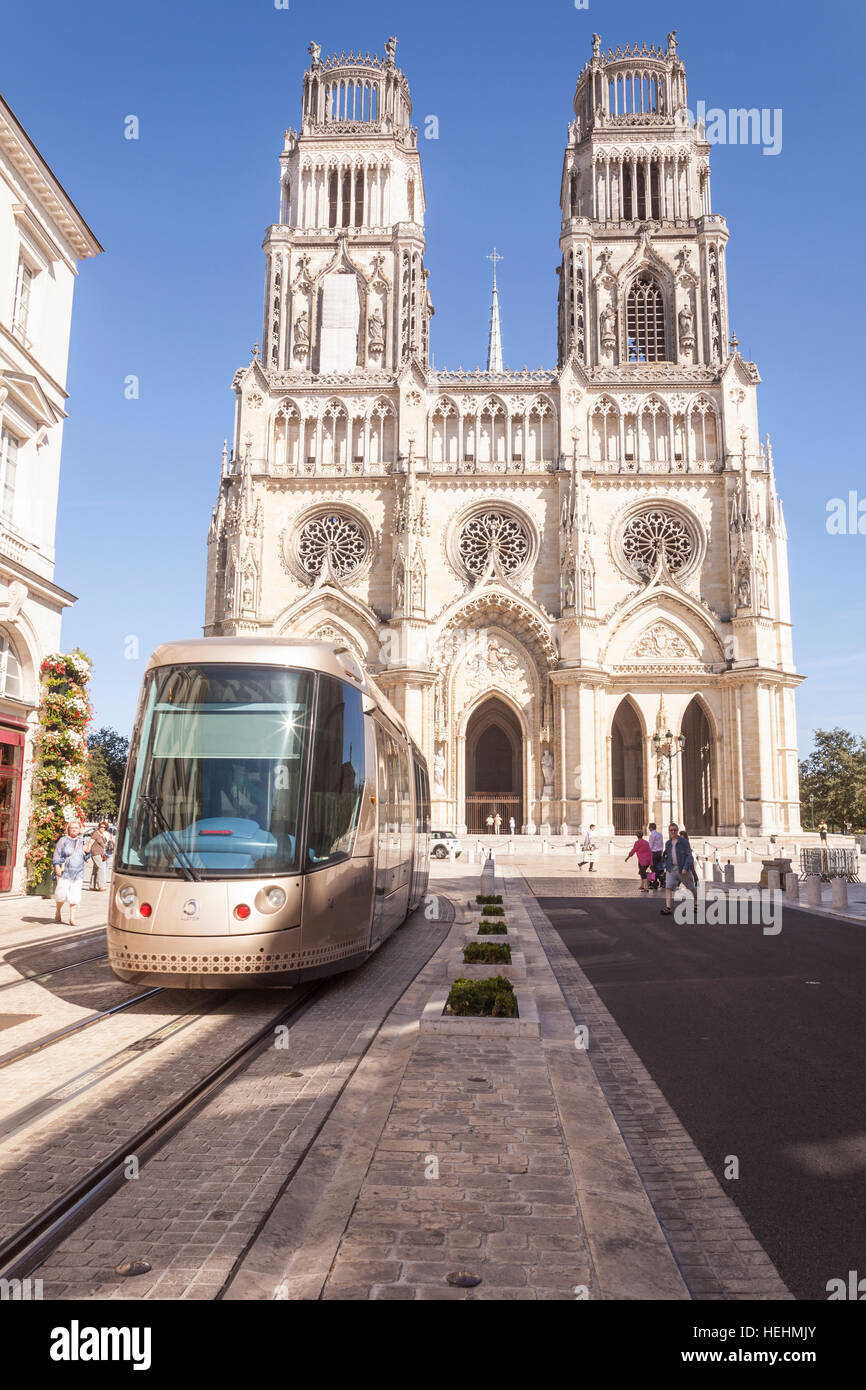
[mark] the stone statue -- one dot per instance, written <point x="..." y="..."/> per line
<point x="399" y="591"/>
<point x="663" y="774"/>
<point x="547" y="767"/>
<point x="744" y="590"/>
<point x="302" y="332"/>
<point x="569" y="588"/>
<point x="439" y="773"/>
<point x="596" y="45"/>
<point x="390" y="51"/>
<point x="588" y="583"/>
<point x="672" y="41"/>
<point x="376" y="334"/>
<point x="763" y="596"/>
<point x="607" y="323"/>
<point x="315" y="51"/>
<point x="687" y="324"/>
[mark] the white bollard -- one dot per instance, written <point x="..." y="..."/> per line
<point x="708" y="870"/>
<point x="708" y="849"/>
<point x="717" y="872"/>
<point x="510" y="846"/>
<point x="774" y="880"/>
<point x="792" y="887"/>
<point x="471" y="859"/>
<point x="545" y="847"/>
<point x="839" y="891"/>
<point x="729" y="872"/>
<point x="611" y="847"/>
<point x="748" y="855"/>
<point x="813" y="890"/>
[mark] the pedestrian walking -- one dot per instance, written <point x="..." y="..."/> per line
<point x="497" y="823"/>
<point x="511" y="825"/>
<point x="100" y="848"/>
<point x="656" y="842"/>
<point x="644" y="855"/>
<point x="70" y="856"/>
<point x="489" y="824"/>
<point x="822" y="831"/>
<point x="679" y="867"/>
<point x="588" y="850"/>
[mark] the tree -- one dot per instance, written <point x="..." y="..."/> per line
<point x="101" y="801"/>
<point x="115" y="751"/>
<point x="834" y="774"/>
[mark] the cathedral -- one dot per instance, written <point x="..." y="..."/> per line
<point x="572" y="583"/>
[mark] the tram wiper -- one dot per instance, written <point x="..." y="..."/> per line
<point x="186" y="865"/>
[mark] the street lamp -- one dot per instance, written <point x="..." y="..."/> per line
<point x="667" y="745"/>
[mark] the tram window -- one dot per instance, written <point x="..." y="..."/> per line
<point x="337" y="774"/>
<point x="219" y="771"/>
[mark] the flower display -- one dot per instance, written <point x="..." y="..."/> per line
<point x="60" y="779"/>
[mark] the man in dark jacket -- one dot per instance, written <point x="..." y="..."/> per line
<point x="679" y="867"/>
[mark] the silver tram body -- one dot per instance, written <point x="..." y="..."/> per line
<point x="275" y="818"/>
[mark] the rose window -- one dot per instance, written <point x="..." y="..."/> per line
<point x="654" y="533"/>
<point x="488" y="534"/>
<point x="339" y="537"/>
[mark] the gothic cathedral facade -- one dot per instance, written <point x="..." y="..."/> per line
<point x="544" y="570"/>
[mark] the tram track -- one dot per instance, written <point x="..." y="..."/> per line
<point x="64" y="943"/>
<point x="27" y="1248"/>
<point x="8" y="1059"/>
<point x="37" y="977"/>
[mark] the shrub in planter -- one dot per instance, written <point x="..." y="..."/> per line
<point x="486" y="953"/>
<point x="488" y="897"/>
<point x="491" y="998"/>
<point x="488" y="911"/>
<point x="492" y="929"/>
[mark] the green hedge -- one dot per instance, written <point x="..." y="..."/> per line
<point x="491" y="998"/>
<point x="486" y="953"/>
<point x="488" y="911"/>
<point x="492" y="929"/>
<point x="488" y="897"/>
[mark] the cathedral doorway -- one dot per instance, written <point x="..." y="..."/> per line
<point x="627" y="772"/>
<point x="494" y="767"/>
<point x="700" y="808"/>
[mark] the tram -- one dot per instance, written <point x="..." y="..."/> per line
<point x="274" y="822"/>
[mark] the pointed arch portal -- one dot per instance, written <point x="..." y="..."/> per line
<point x="494" y="766"/>
<point x="627" y="772"/>
<point x="700" y="806"/>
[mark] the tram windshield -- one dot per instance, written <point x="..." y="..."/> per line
<point x="220" y="764"/>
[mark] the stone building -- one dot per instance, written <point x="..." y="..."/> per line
<point x="543" y="569"/>
<point x="42" y="239"/>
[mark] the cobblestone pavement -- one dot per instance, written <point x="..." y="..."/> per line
<point x="200" y="1199"/>
<point x="499" y="1157"/>
<point x="715" y="1249"/>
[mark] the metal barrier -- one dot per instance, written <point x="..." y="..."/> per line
<point x="828" y="864"/>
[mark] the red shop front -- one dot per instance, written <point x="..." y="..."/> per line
<point x="12" y="737"/>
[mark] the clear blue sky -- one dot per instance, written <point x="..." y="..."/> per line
<point x="177" y="297"/>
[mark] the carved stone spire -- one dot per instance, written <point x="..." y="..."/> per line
<point x="494" y="342"/>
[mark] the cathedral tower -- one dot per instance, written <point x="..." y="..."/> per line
<point x="539" y="566"/>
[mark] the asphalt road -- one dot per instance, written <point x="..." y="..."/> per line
<point x="758" y="1043"/>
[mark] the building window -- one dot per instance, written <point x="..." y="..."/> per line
<point x="9" y="446"/>
<point x="10" y="670"/>
<point x="645" y="321"/>
<point x="492" y="534"/>
<point x="23" y="287"/>
<point x="652" y="533"/>
<point x="337" y="536"/>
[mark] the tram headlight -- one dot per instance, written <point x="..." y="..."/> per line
<point x="276" y="897"/>
<point x="127" y="896"/>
